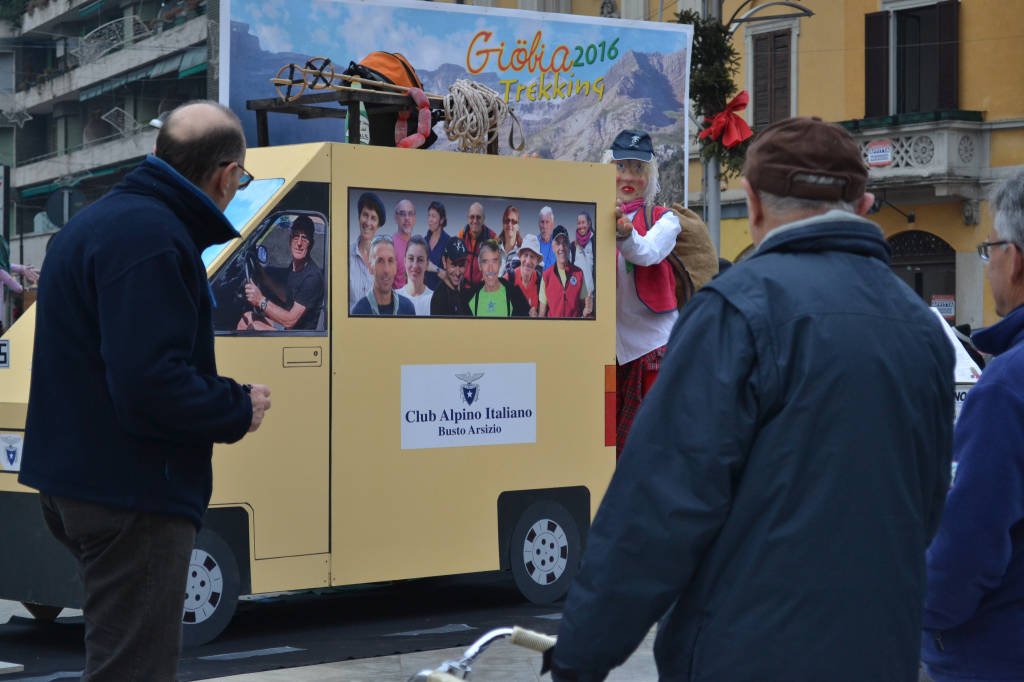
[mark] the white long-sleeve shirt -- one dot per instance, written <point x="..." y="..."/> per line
<point x="638" y="331"/>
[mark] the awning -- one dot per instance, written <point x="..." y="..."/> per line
<point x="95" y="173"/>
<point x="191" y="61"/>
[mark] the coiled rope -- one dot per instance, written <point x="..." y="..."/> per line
<point x="474" y="113"/>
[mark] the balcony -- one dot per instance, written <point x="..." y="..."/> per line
<point x="941" y="154"/>
<point x="41" y="14"/>
<point x="113" y="64"/>
<point x="111" y="151"/>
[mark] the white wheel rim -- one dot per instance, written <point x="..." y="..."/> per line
<point x="203" y="589"/>
<point x="545" y="552"/>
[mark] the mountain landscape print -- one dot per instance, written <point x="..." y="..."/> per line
<point x="573" y="82"/>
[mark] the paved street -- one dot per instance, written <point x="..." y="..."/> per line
<point x="379" y="633"/>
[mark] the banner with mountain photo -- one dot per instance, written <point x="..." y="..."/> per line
<point x="573" y="81"/>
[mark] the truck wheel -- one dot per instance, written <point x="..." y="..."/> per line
<point x="42" y="612"/>
<point x="211" y="591"/>
<point x="544" y="552"/>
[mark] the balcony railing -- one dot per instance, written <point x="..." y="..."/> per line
<point x="924" y="150"/>
<point x="84" y="158"/>
<point x="113" y="64"/>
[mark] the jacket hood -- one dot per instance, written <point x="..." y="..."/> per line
<point x="1003" y="334"/>
<point x="205" y="222"/>
<point x="834" y="231"/>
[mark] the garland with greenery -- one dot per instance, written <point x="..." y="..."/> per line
<point x="713" y="65"/>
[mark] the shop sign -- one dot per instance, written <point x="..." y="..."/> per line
<point x="879" y="153"/>
<point x="946" y="305"/>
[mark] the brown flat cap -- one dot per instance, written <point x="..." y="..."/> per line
<point x="806" y="158"/>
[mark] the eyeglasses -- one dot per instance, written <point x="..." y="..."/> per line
<point x="405" y="214"/>
<point x="985" y="247"/>
<point x="301" y="236"/>
<point x="244" y="179"/>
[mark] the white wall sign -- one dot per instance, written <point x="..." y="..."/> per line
<point x="447" y="406"/>
<point x="945" y="304"/>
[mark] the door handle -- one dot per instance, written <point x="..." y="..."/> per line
<point x="302" y="356"/>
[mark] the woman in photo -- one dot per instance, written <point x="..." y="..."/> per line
<point x="417" y="255"/>
<point x="528" y="274"/>
<point x="581" y="250"/>
<point x="437" y="220"/>
<point x="510" y="241"/>
<point x="371" y="218"/>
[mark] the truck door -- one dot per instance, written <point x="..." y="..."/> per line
<point x="272" y="299"/>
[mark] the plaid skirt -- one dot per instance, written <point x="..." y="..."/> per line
<point x="632" y="382"/>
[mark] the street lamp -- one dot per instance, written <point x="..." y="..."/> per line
<point x="712" y="188"/>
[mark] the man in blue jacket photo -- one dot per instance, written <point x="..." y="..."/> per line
<point x="785" y="474"/>
<point x="974" y="609"/>
<point x="125" y="401"/>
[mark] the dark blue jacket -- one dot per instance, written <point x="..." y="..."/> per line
<point x="782" y="479"/>
<point x="974" y="612"/>
<point x="125" y="400"/>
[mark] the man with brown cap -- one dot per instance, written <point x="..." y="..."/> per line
<point x="786" y="472"/>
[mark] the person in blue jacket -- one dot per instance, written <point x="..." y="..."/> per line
<point x="786" y="473"/>
<point x="125" y="401"/>
<point x="974" y="609"/>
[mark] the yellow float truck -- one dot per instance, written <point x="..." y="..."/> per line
<point x="397" y="447"/>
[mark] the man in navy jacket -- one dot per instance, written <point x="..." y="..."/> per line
<point x="974" y="610"/>
<point x="125" y="401"/>
<point x="785" y="474"/>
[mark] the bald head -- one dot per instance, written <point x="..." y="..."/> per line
<point x="198" y="137"/>
<point x="195" y="119"/>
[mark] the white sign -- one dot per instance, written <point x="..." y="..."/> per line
<point x="880" y="153"/>
<point x="966" y="370"/>
<point x="446" y="406"/>
<point x="10" y="452"/>
<point x="945" y="304"/>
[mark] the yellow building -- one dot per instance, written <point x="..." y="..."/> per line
<point x="930" y="90"/>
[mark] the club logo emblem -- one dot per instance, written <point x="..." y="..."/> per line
<point x="634" y="141"/>
<point x="470" y="391"/>
<point x="11" y="449"/>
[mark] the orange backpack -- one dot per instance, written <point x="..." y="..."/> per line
<point x="387" y="67"/>
<point x="394" y="68"/>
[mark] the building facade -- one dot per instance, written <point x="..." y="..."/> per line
<point x="79" y="82"/>
<point x="929" y="89"/>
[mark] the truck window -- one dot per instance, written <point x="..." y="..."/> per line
<point x="242" y="208"/>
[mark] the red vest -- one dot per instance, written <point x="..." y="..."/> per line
<point x="655" y="284"/>
<point x="532" y="290"/>
<point x="474" y="275"/>
<point x="564" y="301"/>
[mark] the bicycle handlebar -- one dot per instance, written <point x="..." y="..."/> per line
<point x="529" y="639"/>
<point x="438" y="676"/>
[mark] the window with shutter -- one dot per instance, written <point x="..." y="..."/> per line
<point x="564" y="6"/>
<point x="772" y="73"/>
<point x="911" y="59"/>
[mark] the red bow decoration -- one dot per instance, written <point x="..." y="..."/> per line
<point x="727" y="125"/>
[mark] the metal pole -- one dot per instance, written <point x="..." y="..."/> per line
<point x="711" y="181"/>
